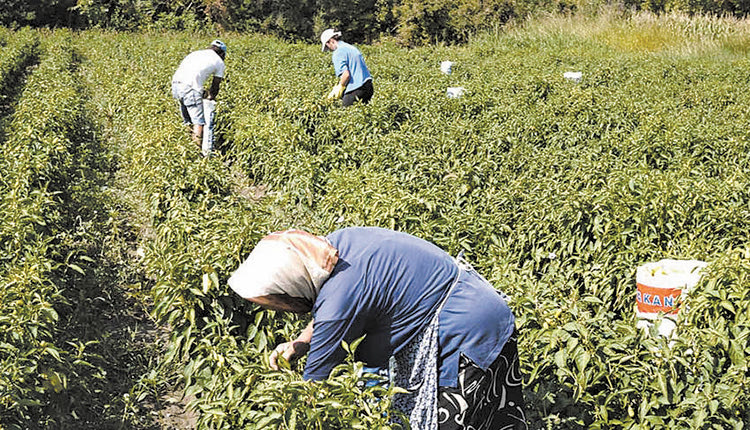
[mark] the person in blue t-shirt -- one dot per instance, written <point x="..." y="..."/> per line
<point x="429" y="319"/>
<point x="355" y="81"/>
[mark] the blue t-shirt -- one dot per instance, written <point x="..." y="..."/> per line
<point x="388" y="285"/>
<point x="347" y="57"/>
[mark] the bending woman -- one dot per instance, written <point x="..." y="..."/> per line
<point x="452" y="335"/>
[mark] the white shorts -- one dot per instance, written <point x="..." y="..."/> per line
<point x="191" y="103"/>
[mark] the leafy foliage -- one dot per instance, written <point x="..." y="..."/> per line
<point x="42" y="165"/>
<point x="53" y="13"/>
<point x="410" y="22"/>
<point x="555" y="190"/>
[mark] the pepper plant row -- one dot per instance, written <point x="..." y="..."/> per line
<point x="16" y="55"/>
<point x="47" y="373"/>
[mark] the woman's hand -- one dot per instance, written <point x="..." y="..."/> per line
<point x="294" y="349"/>
<point x="291" y="351"/>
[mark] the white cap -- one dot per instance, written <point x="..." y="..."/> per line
<point x="326" y="36"/>
<point x="219" y="44"/>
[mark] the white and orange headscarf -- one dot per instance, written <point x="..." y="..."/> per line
<point x="292" y="262"/>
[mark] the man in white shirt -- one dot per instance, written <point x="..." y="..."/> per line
<point x="187" y="84"/>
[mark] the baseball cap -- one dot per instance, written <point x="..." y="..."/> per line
<point x="326" y="36"/>
<point x="219" y="44"/>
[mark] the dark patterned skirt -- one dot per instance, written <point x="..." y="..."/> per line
<point x="489" y="399"/>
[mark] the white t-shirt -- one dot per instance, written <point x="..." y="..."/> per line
<point x="197" y="66"/>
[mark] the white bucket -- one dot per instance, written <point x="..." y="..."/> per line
<point x="659" y="287"/>
<point x="455" y="92"/>
<point x="209" y="114"/>
<point x="573" y="76"/>
<point x="446" y="66"/>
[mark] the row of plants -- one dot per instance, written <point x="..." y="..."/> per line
<point x="75" y="343"/>
<point x="17" y="54"/>
<point x="47" y="374"/>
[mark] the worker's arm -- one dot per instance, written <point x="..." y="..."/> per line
<point x="294" y="349"/>
<point x="344" y="80"/>
<point x="214" y="91"/>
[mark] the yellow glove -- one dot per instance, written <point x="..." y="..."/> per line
<point x="336" y="92"/>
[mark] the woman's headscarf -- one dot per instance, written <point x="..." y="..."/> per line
<point x="292" y="262"/>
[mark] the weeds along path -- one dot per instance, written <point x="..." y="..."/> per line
<point x="65" y="356"/>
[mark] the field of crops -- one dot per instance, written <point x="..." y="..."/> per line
<point x="118" y="236"/>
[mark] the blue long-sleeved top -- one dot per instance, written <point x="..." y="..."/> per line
<point x="388" y="285"/>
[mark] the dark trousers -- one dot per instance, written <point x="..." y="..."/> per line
<point x="489" y="399"/>
<point x="363" y="94"/>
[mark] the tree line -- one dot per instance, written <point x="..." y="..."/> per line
<point x="410" y="22"/>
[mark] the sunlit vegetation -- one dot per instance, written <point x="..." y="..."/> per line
<point x="555" y="190"/>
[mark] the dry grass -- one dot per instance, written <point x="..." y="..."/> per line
<point x="674" y="34"/>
